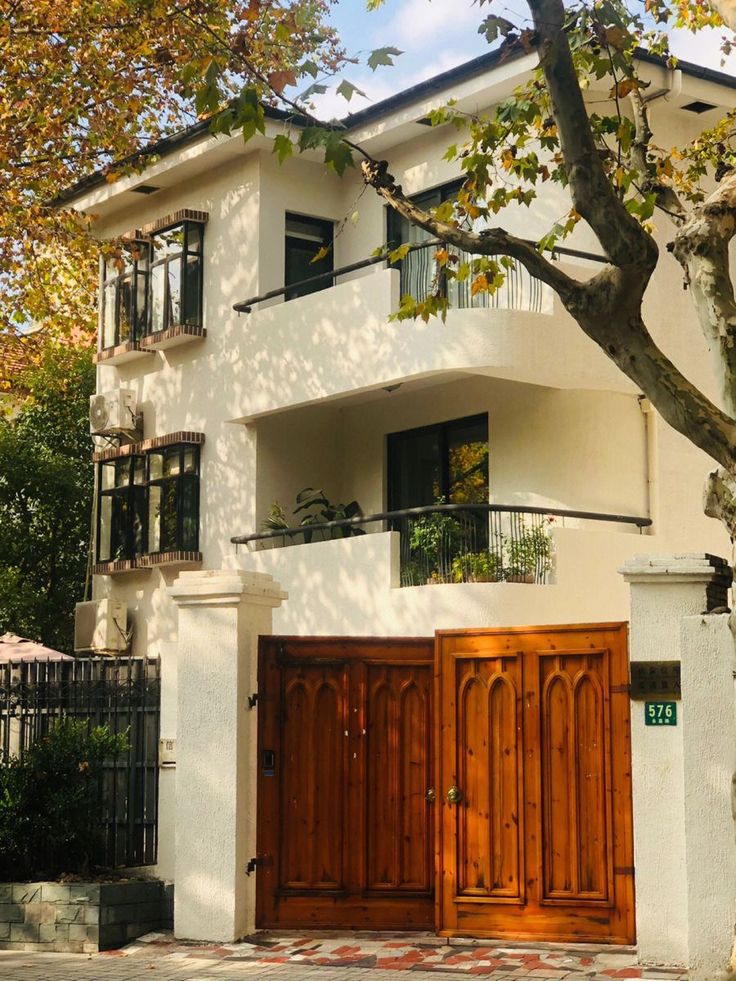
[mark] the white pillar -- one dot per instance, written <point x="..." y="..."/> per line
<point x="221" y="616"/>
<point x="665" y="788"/>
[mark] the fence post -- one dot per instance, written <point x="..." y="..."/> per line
<point x="221" y="616"/>
<point x="683" y="830"/>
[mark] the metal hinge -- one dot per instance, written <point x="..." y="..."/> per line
<point x="257" y="862"/>
<point x="253" y="700"/>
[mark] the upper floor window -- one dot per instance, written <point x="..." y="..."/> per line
<point x="176" y="277"/>
<point x="305" y="238"/>
<point x="124" y="294"/>
<point x="148" y="503"/>
<point x="155" y="284"/>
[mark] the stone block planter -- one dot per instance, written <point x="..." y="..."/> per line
<point x="79" y="917"/>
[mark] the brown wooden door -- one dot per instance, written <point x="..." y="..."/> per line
<point x="345" y="833"/>
<point x="533" y="729"/>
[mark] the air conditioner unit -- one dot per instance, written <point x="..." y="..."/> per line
<point x="101" y="627"/>
<point x="113" y="412"/>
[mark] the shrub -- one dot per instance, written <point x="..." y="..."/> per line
<point x="51" y="801"/>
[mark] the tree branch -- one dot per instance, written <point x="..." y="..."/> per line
<point x="667" y="198"/>
<point x="491" y="241"/>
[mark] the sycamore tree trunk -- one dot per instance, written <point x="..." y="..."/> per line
<point x="608" y="307"/>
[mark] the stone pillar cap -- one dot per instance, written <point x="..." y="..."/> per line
<point x="681" y="567"/>
<point x="216" y="586"/>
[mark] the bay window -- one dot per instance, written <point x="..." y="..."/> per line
<point x="176" y="277"/>
<point x="148" y="502"/>
<point x="124" y="294"/>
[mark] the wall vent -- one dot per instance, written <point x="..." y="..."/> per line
<point x="698" y="106"/>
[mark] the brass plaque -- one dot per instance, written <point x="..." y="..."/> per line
<point x="655" y="679"/>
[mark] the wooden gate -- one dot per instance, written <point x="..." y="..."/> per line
<point x="535" y="833"/>
<point x="344" y="827"/>
<point x="531" y="771"/>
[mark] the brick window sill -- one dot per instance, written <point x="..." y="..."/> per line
<point x="120" y="354"/>
<point x="172" y="337"/>
<point x="146" y="562"/>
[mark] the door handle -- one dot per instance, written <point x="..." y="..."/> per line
<point x="454" y="795"/>
<point x="431" y="795"/>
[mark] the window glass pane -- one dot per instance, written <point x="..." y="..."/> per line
<point x="190" y="313"/>
<point x="139" y="470"/>
<point x="103" y="546"/>
<point x="194" y="237"/>
<point x="191" y="459"/>
<point x="169" y="516"/>
<point x="140" y="302"/>
<point x="155" y="466"/>
<point x="168" y="243"/>
<point x="107" y="475"/>
<point x="157" y="297"/>
<point x="467" y="447"/>
<point x="122" y="473"/>
<point x="304" y="238"/>
<point x="125" y="308"/>
<point x="108" y="315"/>
<point x="172" y="461"/>
<point x="173" y="313"/>
<point x="154" y="519"/>
<point x="119" y="526"/>
<point x="139" y="520"/>
<point x="415" y="468"/>
<point x="190" y="514"/>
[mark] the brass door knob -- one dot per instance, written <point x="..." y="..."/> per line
<point x="454" y="795"/>
<point x="431" y="795"/>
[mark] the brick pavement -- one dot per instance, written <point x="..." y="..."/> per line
<point x="356" y="957"/>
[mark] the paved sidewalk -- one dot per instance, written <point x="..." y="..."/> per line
<point x="355" y="957"/>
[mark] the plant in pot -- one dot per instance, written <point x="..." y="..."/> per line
<point x="317" y="510"/>
<point x="483" y="566"/>
<point x="529" y="553"/>
<point x="434" y="539"/>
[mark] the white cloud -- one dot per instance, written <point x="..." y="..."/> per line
<point x="418" y="22"/>
<point x="702" y="48"/>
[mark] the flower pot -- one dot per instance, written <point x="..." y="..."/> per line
<point x="521" y="577"/>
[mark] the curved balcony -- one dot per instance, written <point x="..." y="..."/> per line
<point x="457" y="543"/>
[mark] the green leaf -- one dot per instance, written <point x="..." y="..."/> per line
<point x="338" y="155"/>
<point x="282" y="147"/>
<point x="493" y="27"/>
<point x="382" y="56"/>
<point x="347" y="90"/>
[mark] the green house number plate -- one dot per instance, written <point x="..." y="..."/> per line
<point x="660" y="713"/>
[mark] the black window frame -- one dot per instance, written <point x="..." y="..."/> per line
<point x="132" y="490"/>
<point x="135" y="259"/>
<point x="325" y="238"/>
<point x="444" y="429"/>
<point x="166" y="260"/>
<point x="430" y="198"/>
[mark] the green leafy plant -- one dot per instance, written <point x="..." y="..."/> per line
<point x="483" y="566"/>
<point x="433" y="540"/>
<point x="51" y="801"/>
<point x="315" y="509"/>
<point x="529" y="552"/>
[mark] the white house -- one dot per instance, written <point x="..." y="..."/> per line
<point x="520" y="764"/>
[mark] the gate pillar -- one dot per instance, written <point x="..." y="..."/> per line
<point x="221" y="616"/>
<point x="685" y="854"/>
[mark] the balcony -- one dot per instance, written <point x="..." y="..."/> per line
<point x="445" y="544"/>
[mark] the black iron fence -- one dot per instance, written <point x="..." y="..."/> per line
<point x="446" y="543"/>
<point x="121" y="693"/>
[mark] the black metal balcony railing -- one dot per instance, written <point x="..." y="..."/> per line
<point x="420" y="275"/>
<point x="454" y="543"/>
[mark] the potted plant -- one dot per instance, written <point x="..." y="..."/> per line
<point x="317" y="509"/>
<point x="529" y="553"/>
<point x="433" y="540"/>
<point x="483" y="566"/>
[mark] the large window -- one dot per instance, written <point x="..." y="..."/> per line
<point x="176" y="277"/>
<point x="305" y="237"/>
<point x="447" y="463"/>
<point x="124" y="294"/>
<point x="148" y="503"/>
<point x="155" y="284"/>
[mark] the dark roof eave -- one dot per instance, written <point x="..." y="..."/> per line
<point x="468" y="70"/>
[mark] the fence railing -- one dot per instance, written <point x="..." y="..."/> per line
<point x="121" y="693"/>
<point x="444" y="543"/>
<point x="519" y="291"/>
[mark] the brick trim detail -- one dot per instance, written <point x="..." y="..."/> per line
<point x="144" y="563"/>
<point x="105" y="353"/>
<point x="181" y="330"/>
<point x="155" y="443"/>
<point x="184" y="214"/>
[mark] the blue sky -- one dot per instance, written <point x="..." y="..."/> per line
<point x="436" y="35"/>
